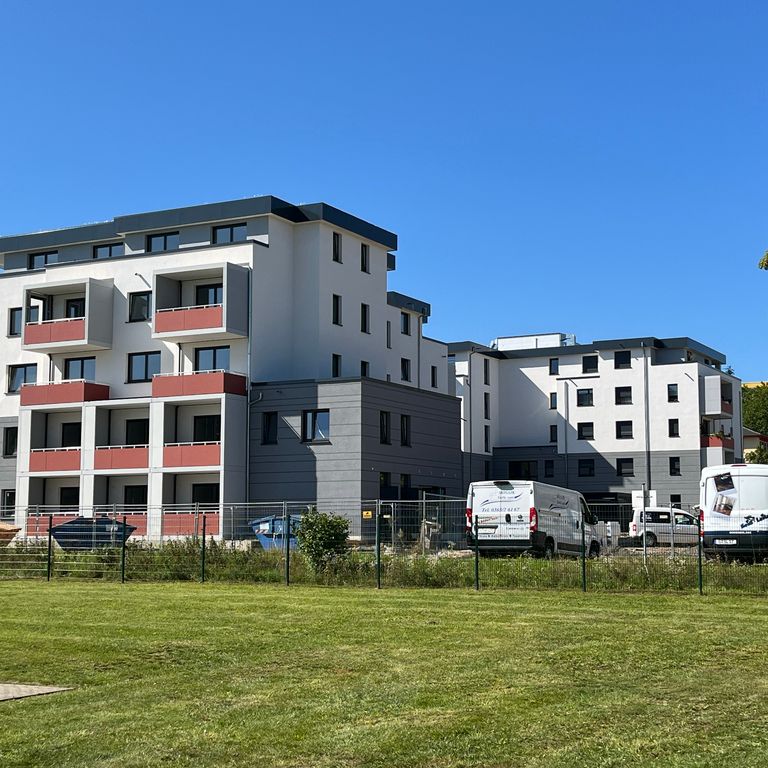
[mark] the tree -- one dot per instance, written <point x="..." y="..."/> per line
<point x="755" y="405"/>
<point x="759" y="455"/>
<point x="763" y="263"/>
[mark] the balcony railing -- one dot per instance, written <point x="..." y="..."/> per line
<point x="192" y="454"/>
<point x="54" y="459"/>
<point x="198" y="383"/>
<point x="70" y="391"/>
<point x="53" y="331"/>
<point x="717" y="441"/>
<point x="726" y="406"/>
<point x="121" y="457"/>
<point x="189" y="318"/>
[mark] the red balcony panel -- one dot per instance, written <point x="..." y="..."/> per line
<point x="117" y="457"/>
<point x="727" y="407"/>
<point x="37" y="524"/>
<point x="63" y="392"/>
<point x="192" y="455"/>
<point x="70" y="329"/>
<point x="54" y="460"/>
<point x="714" y="441"/>
<point x="189" y="523"/>
<point x="138" y="520"/>
<point x="208" y="383"/>
<point x="189" y="319"/>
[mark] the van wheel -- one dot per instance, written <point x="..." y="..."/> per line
<point x="549" y="549"/>
<point x="650" y="539"/>
<point x="594" y="551"/>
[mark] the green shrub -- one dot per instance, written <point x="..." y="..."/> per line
<point x="322" y="539"/>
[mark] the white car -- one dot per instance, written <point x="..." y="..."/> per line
<point x="660" y="523"/>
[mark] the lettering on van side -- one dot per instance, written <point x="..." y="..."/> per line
<point x="752" y="519"/>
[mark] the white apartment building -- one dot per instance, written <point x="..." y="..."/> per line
<point x="603" y="418"/>
<point x="227" y="352"/>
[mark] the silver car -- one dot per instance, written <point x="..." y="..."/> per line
<point x="658" y="527"/>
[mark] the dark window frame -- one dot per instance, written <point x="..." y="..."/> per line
<point x="365" y="318"/>
<point x="553" y="433"/>
<point x="365" y="369"/>
<point x="269" y="424"/>
<point x="405" y="430"/>
<point x="620" y="394"/>
<point x="10" y="442"/>
<point x="146" y="356"/>
<point x="165" y="236"/>
<point x="405" y="369"/>
<point x="619" y="359"/>
<point x="111" y="248"/>
<point x="136" y="295"/>
<point x="675" y="469"/>
<point x="586" y="468"/>
<point x="487" y="405"/>
<point x="68" y="362"/>
<point x="523" y="469"/>
<point x="673" y="428"/>
<point x="309" y="425"/>
<point x="405" y="323"/>
<point x="385" y="428"/>
<point x="621" y="426"/>
<point x="365" y="258"/>
<point x="585" y="430"/>
<point x="134" y="424"/>
<point x="26" y="368"/>
<point x="554" y="366"/>
<point x="486" y="371"/>
<point x="335" y="366"/>
<point x="585" y="398"/>
<point x="625" y="467"/>
<point x="433" y="377"/>
<point x="673" y="396"/>
<point x="206" y="423"/>
<point x="590" y="367"/>
<point x="15" y="312"/>
<point x="215" y="351"/>
<point x="129" y="490"/>
<point x="45" y="255"/>
<point x="79" y="303"/>
<point x="68" y="440"/>
<point x="337" y="248"/>
<point x="218" y="288"/>
<point x="230" y="228"/>
<point x="336" y="310"/>
<point x="553" y="401"/>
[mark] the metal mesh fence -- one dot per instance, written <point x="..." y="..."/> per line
<point x="426" y="543"/>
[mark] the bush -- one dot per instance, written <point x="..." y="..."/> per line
<point x="322" y="539"/>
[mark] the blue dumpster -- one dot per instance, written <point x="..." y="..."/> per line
<point x="83" y="533"/>
<point x="269" y="531"/>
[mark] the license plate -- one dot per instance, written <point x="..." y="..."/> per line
<point x="725" y="542"/>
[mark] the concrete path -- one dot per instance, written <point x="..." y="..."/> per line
<point x="14" y="691"/>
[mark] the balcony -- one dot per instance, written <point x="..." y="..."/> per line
<point x="77" y="391"/>
<point x="198" y="383"/>
<point x="192" y="454"/>
<point x="71" y="316"/>
<point x="54" y="459"/>
<point x="121" y="457"/>
<point x="205" y="303"/>
<point x="717" y="441"/>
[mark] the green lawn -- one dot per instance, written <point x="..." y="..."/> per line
<point x="223" y="675"/>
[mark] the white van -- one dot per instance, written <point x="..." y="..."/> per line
<point x="734" y="505"/>
<point x="658" y="529"/>
<point x="526" y="516"/>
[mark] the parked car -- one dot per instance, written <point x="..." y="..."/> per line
<point x="526" y="516"/>
<point x="658" y="527"/>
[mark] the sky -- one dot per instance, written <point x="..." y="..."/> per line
<point x="596" y="168"/>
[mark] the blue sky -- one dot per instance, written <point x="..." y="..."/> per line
<point x="595" y="167"/>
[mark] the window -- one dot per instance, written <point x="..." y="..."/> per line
<point x="365" y="368"/>
<point x="405" y="369"/>
<point x="586" y="467"/>
<point x="623" y="395"/>
<point x="553" y="433"/>
<point x="554" y="366"/>
<point x="39" y="260"/>
<point x="622" y="359"/>
<point x="8" y="500"/>
<point x="14" y="321"/>
<point x="586" y="430"/>
<point x="589" y="364"/>
<point x="316" y="426"/>
<point x="167" y="241"/>
<point x="364" y="258"/>
<point x="675" y="499"/>
<point x="207" y="428"/>
<point x="487" y="439"/>
<point x="433" y="376"/>
<point x="672" y="393"/>
<point x="385" y="427"/>
<point x="10" y="441"/>
<point x="209" y="295"/>
<point x="269" y="428"/>
<point x="139" y="306"/>
<point x="486" y="405"/>
<point x="205" y="493"/>
<point x="135" y="495"/>
<point x="336" y="319"/>
<point x="69" y="499"/>
<point x="523" y="470"/>
<point x="108" y="251"/>
<point x="584" y="398"/>
<point x="625" y="467"/>
<point x="365" y="318"/>
<point x="674" y="428"/>
<point x="549" y="468"/>
<point x="385" y="481"/>
<point x="623" y="430"/>
<point x="70" y="434"/>
<point x="337" y="247"/>
<point x="137" y="431"/>
<point x="335" y="366"/>
<point x="405" y="485"/>
<point x="21" y="374"/>
<point x="212" y="359"/>
<point x="80" y="368"/>
<point x="674" y="466"/>
<point x="142" y="366"/>
<point x="75" y="307"/>
<point x="486" y="371"/>
<point x="553" y="401"/>
<point x="229" y="233"/>
<point x="389" y="334"/>
<point x="405" y="430"/>
<point x="33" y="313"/>
<point x="405" y="323"/>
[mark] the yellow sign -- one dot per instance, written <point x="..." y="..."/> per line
<point x="367" y="514"/>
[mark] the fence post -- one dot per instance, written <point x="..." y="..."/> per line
<point x="202" y="554"/>
<point x="477" y="556"/>
<point x="378" y="543"/>
<point x="122" y="551"/>
<point x="49" y="569"/>
<point x="701" y="554"/>
<point x="287" y="544"/>
<point x="583" y="554"/>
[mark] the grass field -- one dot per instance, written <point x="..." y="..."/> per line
<point x="235" y="675"/>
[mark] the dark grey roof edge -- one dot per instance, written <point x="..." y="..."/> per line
<point x="401" y="301"/>
<point x="473" y="346"/>
<point x="193" y="214"/>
